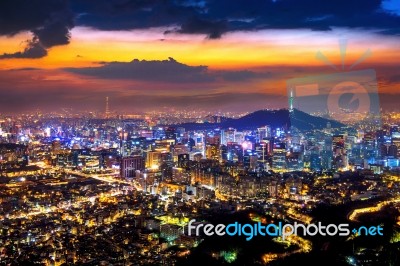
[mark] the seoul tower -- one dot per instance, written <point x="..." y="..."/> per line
<point x="291" y="101"/>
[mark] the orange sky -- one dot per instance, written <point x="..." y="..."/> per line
<point x="235" y="50"/>
<point x="284" y="53"/>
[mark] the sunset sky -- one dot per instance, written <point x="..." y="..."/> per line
<point x="215" y="55"/>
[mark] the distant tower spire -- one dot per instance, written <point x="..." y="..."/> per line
<point x="291" y="101"/>
<point x="107" y="113"/>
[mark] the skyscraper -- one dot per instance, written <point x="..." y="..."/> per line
<point x="339" y="159"/>
<point x="129" y="165"/>
<point x="153" y="159"/>
<point x="279" y="156"/>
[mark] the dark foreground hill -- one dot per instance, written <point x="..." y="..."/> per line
<point x="275" y="118"/>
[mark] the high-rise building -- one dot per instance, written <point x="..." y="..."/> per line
<point x="263" y="133"/>
<point x="214" y="140"/>
<point x="339" y="156"/>
<point x="294" y="161"/>
<point x="262" y="150"/>
<point x="326" y="153"/>
<point x="239" y="137"/>
<point x="396" y="140"/>
<point x="183" y="160"/>
<point x="370" y="150"/>
<point x="212" y="152"/>
<point x="315" y="162"/>
<point x="394" y="129"/>
<point x="197" y="157"/>
<point x="153" y="159"/>
<point x="252" y="161"/>
<point x="179" y="149"/>
<point x="228" y="135"/>
<point x="279" y="156"/>
<point x="389" y="150"/>
<point x="170" y="133"/>
<point x="273" y="188"/>
<point x="56" y="147"/>
<point x="129" y="166"/>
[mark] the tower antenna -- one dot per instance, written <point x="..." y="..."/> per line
<point x="107" y="113"/>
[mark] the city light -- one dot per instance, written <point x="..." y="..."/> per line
<point x="199" y="132"/>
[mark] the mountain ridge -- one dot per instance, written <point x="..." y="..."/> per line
<point x="280" y="118"/>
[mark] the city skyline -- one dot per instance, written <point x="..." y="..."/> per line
<point x="186" y="55"/>
<point x="199" y="132"/>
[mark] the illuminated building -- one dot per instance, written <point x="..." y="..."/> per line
<point x="326" y="159"/>
<point x="389" y="150"/>
<point x="159" y="133"/>
<point x="250" y="161"/>
<point x="263" y="133"/>
<point x="279" y="156"/>
<point x="170" y="231"/>
<point x="394" y="129"/>
<point x="315" y="162"/>
<point x="197" y="157"/>
<point x="183" y="160"/>
<point x="166" y="157"/>
<point x="234" y="151"/>
<point x="293" y="185"/>
<point x="179" y="149"/>
<point x="295" y="161"/>
<point x="224" y="153"/>
<point x="214" y="140"/>
<point x="393" y="151"/>
<point x="253" y="161"/>
<point x="56" y="147"/>
<point x="146" y="134"/>
<point x="212" y="152"/>
<point x="179" y="175"/>
<point x="170" y="133"/>
<point x="198" y="139"/>
<point x="228" y="136"/>
<point x="129" y="165"/>
<point x="164" y="144"/>
<point x="273" y="188"/>
<point x="153" y="159"/>
<point x="239" y="137"/>
<point x="339" y="157"/>
<point x="370" y="150"/>
<point x="396" y="141"/>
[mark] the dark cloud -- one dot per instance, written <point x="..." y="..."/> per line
<point x="213" y="29"/>
<point x="311" y="14"/>
<point x="49" y="21"/>
<point x="216" y="17"/>
<point x="25" y="69"/>
<point x="125" y="15"/>
<point x="55" y="33"/>
<point x="33" y="50"/>
<point x="166" y="71"/>
<point x="158" y="70"/>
